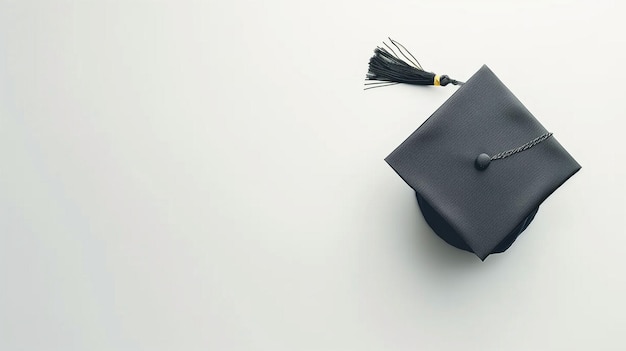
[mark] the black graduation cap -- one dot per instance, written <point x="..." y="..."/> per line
<point x="481" y="164"/>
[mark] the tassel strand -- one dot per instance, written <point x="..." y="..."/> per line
<point x="387" y="68"/>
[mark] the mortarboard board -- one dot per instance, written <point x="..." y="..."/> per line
<point x="481" y="164"/>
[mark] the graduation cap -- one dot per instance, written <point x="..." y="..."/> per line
<point x="481" y="164"/>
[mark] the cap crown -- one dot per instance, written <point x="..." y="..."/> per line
<point x="482" y="206"/>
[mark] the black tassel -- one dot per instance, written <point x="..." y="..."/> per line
<point x="387" y="68"/>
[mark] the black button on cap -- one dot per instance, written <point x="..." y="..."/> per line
<point x="482" y="161"/>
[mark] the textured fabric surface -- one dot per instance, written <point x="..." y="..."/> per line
<point x="449" y="235"/>
<point x="485" y="209"/>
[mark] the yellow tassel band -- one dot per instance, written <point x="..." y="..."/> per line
<point x="437" y="81"/>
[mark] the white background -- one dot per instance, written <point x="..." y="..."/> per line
<point x="209" y="175"/>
